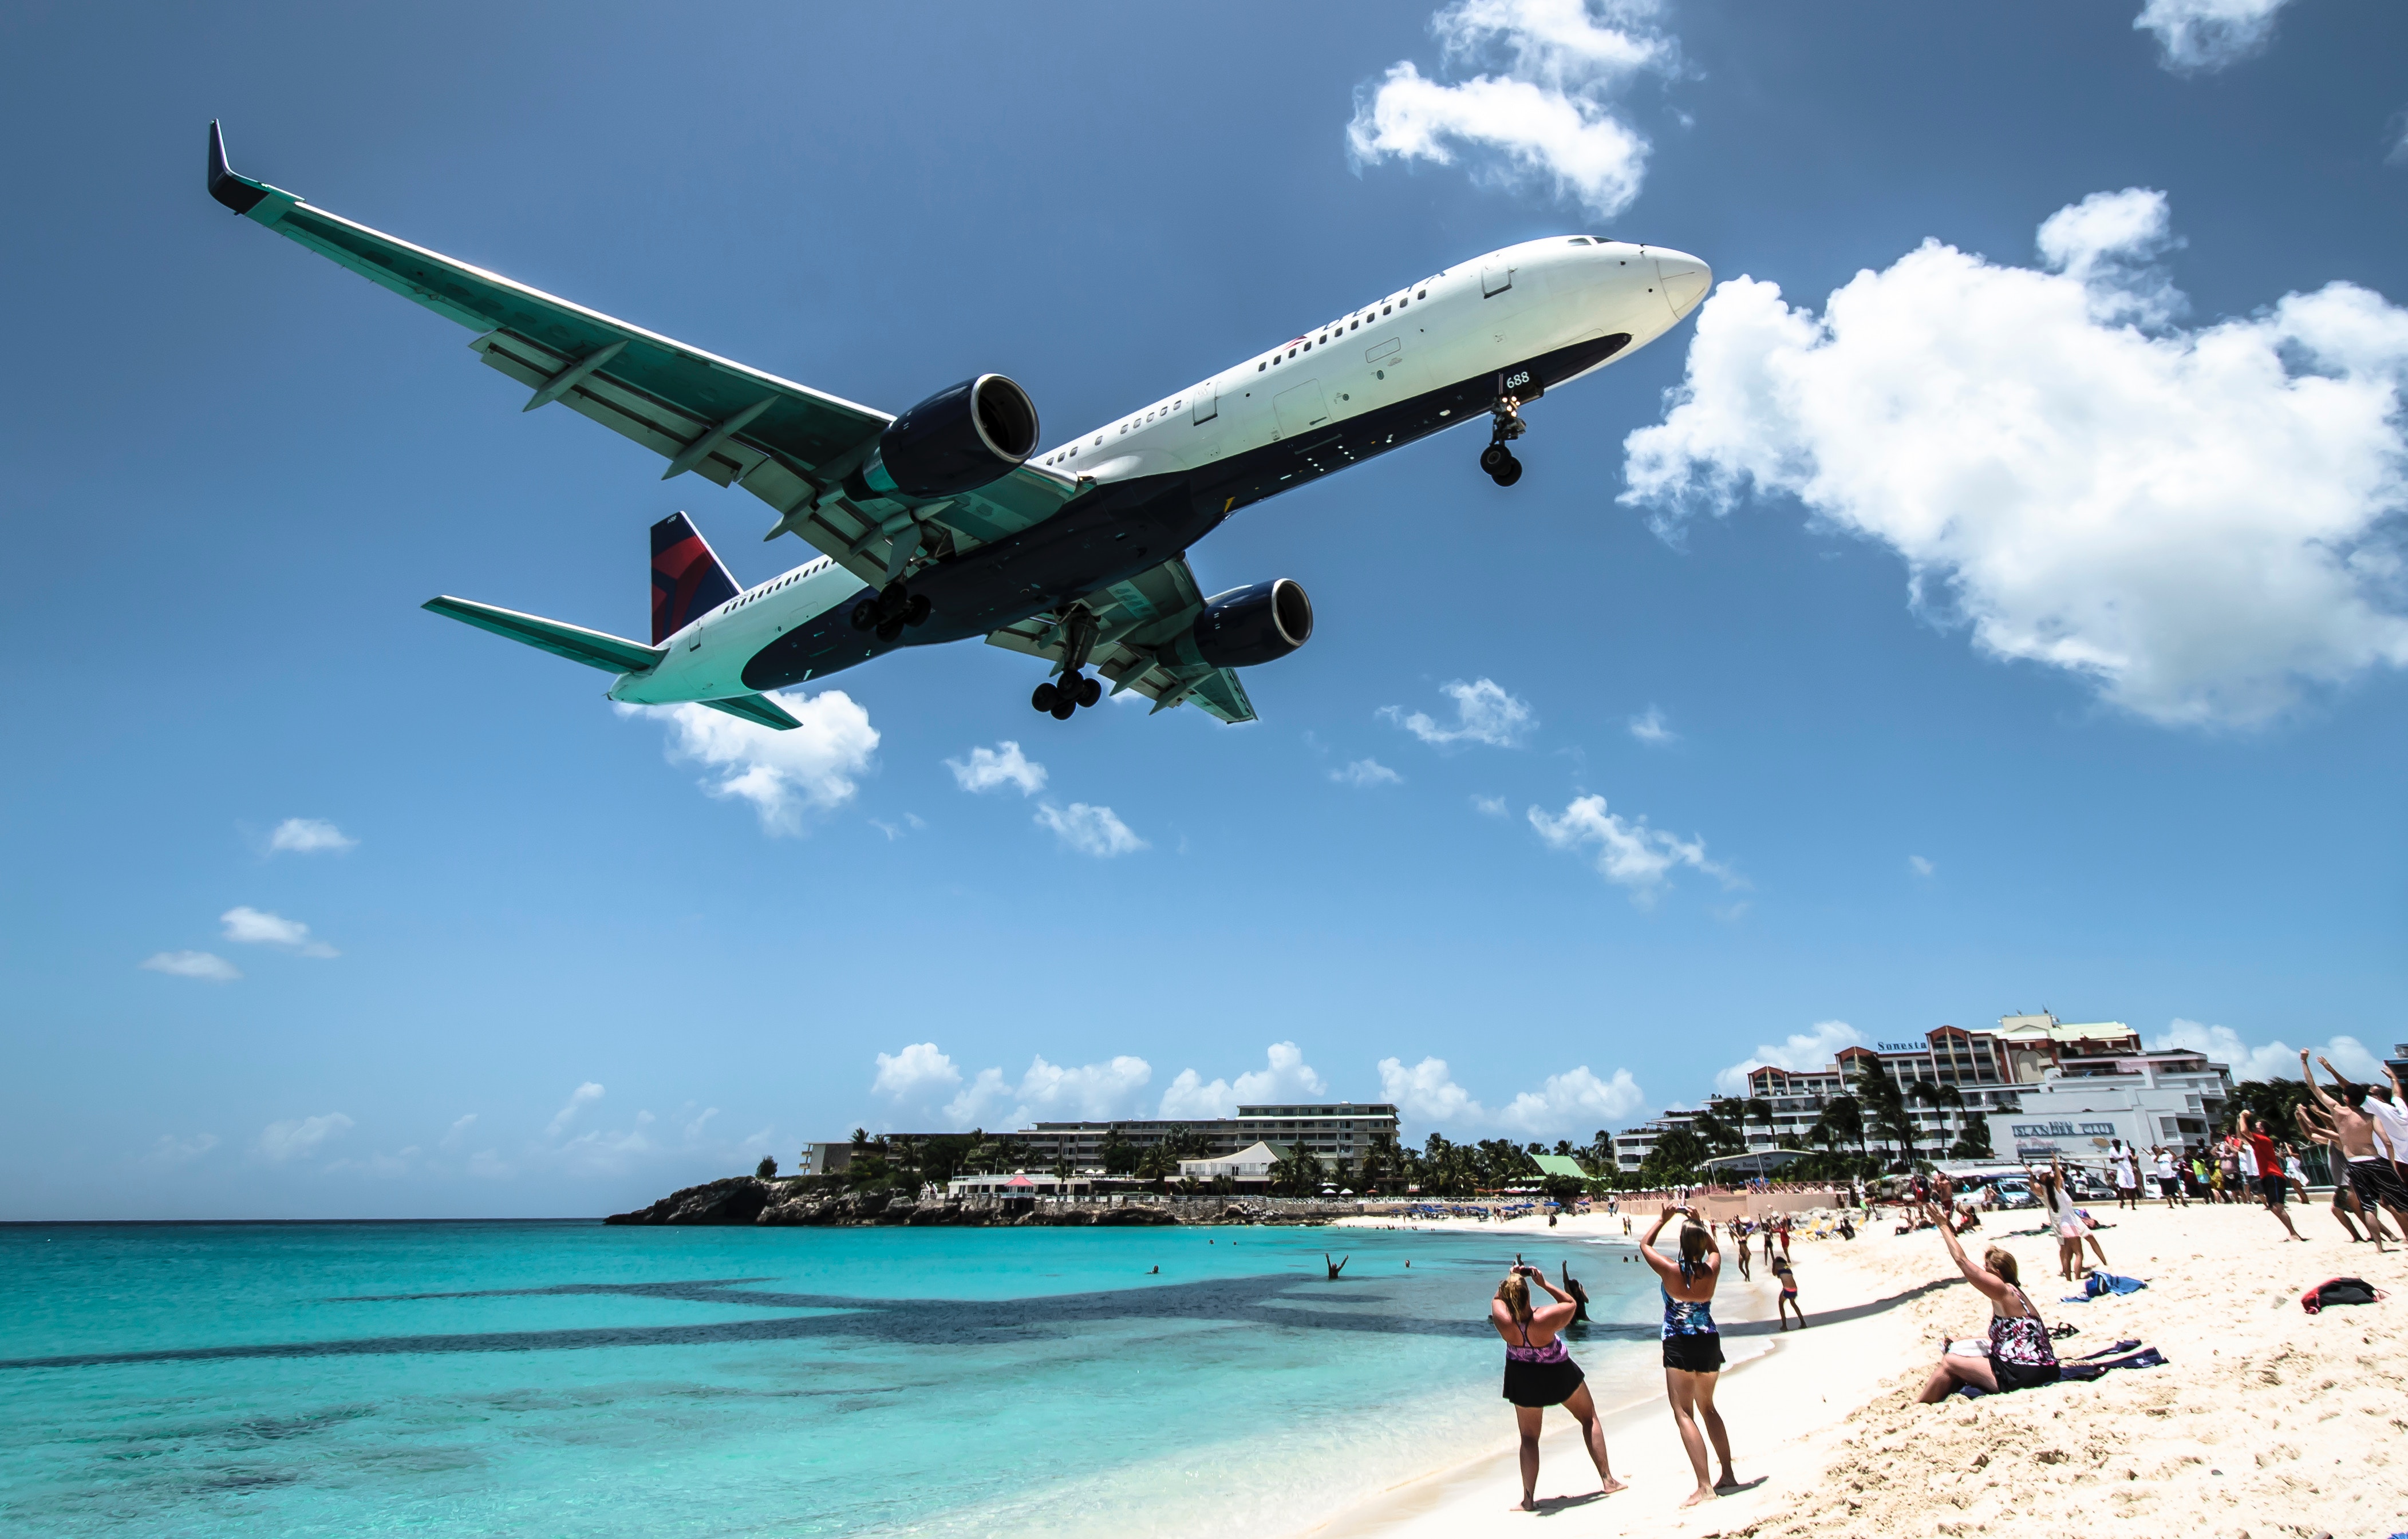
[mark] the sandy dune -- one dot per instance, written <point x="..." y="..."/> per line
<point x="2266" y="1420"/>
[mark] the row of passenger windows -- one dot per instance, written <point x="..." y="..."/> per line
<point x="797" y="575"/>
<point x="1341" y="328"/>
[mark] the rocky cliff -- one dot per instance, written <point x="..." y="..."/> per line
<point x="751" y="1200"/>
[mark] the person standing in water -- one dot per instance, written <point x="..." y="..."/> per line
<point x="1540" y="1372"/>
<point x="1693" y="1345"/>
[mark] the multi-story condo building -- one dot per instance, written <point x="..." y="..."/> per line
<point x="1991" y="1072"/>
<point x="1333" y="1131"/>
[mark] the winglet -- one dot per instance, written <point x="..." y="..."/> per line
<point x="239" y="193"/>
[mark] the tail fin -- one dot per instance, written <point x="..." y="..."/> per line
<point x="688" y="579"/>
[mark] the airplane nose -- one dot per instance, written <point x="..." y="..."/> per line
<point x="1684" y="279"/>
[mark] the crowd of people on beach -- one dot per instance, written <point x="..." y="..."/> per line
<point x="2363" y="1128"/>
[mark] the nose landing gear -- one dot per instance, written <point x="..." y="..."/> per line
<point x="1060" y="697"/>
<point x="890" y="609"/>
<point x="1496" y="459"/>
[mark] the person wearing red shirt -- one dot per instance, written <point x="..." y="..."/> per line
<point x="2269" y="1172"/>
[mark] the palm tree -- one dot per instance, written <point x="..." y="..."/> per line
<point x="1846" y="1117"/>
<point x="1881" y="1095"/>
<point x="1940" y="1098"/>
<point x="1758" y="1109"/>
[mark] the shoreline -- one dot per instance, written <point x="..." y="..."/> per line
<point x="2264" y="1417"/>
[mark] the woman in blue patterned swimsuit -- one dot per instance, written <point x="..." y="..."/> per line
<point x="1540" y="1372"/>
<point x="1693" y="1347"/>
<point x="2021" y="1354"/>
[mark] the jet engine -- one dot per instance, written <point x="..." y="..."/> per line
<point x="956" y="440"/>
<point x="1249" y="625"/>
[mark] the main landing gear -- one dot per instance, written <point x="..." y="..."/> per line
<point x="1059" y="697"/>
<point x="890" y="609"/>
<point x="1497" y="460"/>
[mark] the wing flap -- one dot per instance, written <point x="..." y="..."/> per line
<point x="595" y="648"/>
<point x="1136" y="617"/>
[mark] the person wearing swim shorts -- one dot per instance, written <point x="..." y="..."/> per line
<point x="2020" y="1354"/>
<point x="1693" y="1345"/>
<point x="1539" y="1372"/>
<point x="2347" y="1209"/>
<point x="2370" y="1154"/>
<point x="2271" y="1186"/>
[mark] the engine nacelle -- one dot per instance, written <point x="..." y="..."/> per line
<point x="956" y="440"/>
<point x="1249" y="625"/>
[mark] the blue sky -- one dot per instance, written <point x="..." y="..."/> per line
<point x="2022" y="629"/>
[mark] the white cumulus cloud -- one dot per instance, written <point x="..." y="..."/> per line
<point x="1576" y="1101"/>
<point x="916" y="1073"/>
<point x="1052" y="1092"/>
<point x="1653" y="729"/>
<point x="1920" y="867"/>
<point x="1427" y="1093"/>
<point x="815" y="767"/>
<point x="2268" y="1060"/>
<point x="205" y="965"/>
<point x="1484" y="710"/>
<point x="1490" y="807"/>
<point x="2200" y="522"/>
<point x="1367" y="772"/>
<point x="1284" y="1077"/>
<point x="2202" y="35"/>
<point x="1801" y="1051"/>
<point x="1004" y="764"/>
<point x="1627" y="853"/>
<point x="300" y="1137"/>
<point x="1525" y="96"/>
<point x="1088" y="830"/>
<point x="308" y="836"/>
<point x="254" y="927"/>
<point x="579" y="1099"/>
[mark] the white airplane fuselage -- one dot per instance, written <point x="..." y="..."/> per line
<point x="1517" y="322"/>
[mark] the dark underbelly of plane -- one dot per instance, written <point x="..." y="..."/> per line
<point x="1118" y="531"/>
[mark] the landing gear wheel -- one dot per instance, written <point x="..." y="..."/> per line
<point x="893" y="600"/>
<point x="1495" y="458"/>
<point x="916" y="612"/>
<point x="1090" y="690"/>
<point x="889" y="628"/>
<point x="1043" y="696"/>
<point x="1062" y="709"/>
<point x="865" y="614"/>
<point x="1508" y="473"/>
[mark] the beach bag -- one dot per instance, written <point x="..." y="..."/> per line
<point x="2340" y="1291"/>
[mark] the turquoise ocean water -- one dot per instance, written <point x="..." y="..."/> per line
<point x="572" y="1379"/>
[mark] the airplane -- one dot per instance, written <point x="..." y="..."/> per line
<point x="950" y="522"/>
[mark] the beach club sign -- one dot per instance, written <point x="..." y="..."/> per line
<point x="2044" y="1136"/>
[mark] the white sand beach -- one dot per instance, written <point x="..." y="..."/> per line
<point x="2265" y="1420"/>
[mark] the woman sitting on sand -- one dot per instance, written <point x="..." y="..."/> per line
<point x="1693" y="1345"/>
<point x="2020" y="1354"/>
<point x="1540" y="1372"/>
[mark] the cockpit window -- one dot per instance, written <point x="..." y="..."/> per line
<point x="1581" y="240"/>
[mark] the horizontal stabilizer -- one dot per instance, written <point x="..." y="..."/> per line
<point x="595" y="648"/>
<point x="758" y="708"/>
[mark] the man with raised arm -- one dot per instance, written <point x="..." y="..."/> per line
<point x="2271" y="1184"/>
<point x="2369" y="1153"/>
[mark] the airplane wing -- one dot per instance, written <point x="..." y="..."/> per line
<point x="785" y="443"/>
<point x="1138" y="619"/>
<point x="759" y="709"/>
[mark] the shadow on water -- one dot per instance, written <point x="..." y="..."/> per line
<point x="912" y="1322"/>
<point x="1277" y="1300"/>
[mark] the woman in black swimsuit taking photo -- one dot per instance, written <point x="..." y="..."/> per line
<point x="1693" y="1343"/>
<point x="1540" y="1372"/>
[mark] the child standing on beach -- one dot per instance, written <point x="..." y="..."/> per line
<point x="1787" y="1305"/>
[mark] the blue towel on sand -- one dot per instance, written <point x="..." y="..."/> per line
<point x="2100" y="1284"/>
